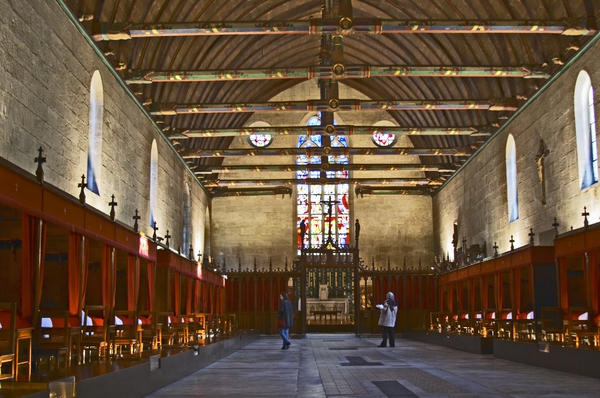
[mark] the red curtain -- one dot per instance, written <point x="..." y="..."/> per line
<point x="176" y="294"/>
<point x="499" y="290"/>
<point x="485" y="304"/>
<point x="563" y="284"/>
<point x="151" y="277"/>
<point x="133" y="281"/>
<point x="197" y="296"/>
<point x="471" y="285"/>
<point x="518" y="293"/>
<point x="74" y="267"/>
<point x="28" y="234"/>
<point x="38" y="289"/>
<point x="593" y="261"/>
<point x="188" y="299"/>
<point x="205" y="297"/>
<point x="84" y="273"/>
<point x="108" y="277"/>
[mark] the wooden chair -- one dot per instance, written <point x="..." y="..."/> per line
<point x="96" y="322"/>
<point x="127" y="332"/>
<point x="552" y="324"/>
<point x="8" y="319"/>
<point x="489" y="326"/>
<point x="505" y="323"/>
<point x="579" y="326"/>
<point x="53" y="338"/>
<point x="151" y="330"/>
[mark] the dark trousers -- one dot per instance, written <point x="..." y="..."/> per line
<point x="385" y="333"/>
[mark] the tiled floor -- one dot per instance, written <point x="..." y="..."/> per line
<point x="331" y="365"/>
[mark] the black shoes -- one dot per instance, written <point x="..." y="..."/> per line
<point x="381" y="345"/>
<point x="286" y="345"/>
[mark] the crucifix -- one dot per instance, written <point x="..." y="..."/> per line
<point x="82" y="185"/>
<point x="155" y="228"/>
<point x="531" y="235"/>
<point x="167" y="237"/>
<point x="329" y="204"/>
<point x="136" y="218"/>
<point x="39" y="173"/>
<point x="585" y="214"/>
<point x="112" y="205"/>
<point x="512" y="241"/>
<point x="539" y="158"/>
<point x="495" y="249"/>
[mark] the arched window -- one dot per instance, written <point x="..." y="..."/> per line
<point x="323" y="208"/>
<point x="153" y="181"/>
<point x="511" y="179"/>
<point x="382" y="138"/>
<point x="94" y="166"/>
<point x="585" y="128"/>
<point x="187" y="219"/>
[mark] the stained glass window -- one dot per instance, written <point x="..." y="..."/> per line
<point x="384" y="139"/>
<point x="260" y="140"/>
<point x="323" y="208"/>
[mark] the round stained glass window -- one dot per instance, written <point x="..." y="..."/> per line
<point x="260" y="140"/>
<point x="384" y="139"/>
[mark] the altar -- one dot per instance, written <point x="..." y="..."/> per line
<point x="333" y="309"/>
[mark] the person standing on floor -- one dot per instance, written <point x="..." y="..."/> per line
<point x="387" y="319"/>
<point x="285" y="319"/>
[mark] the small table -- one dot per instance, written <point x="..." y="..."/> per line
<point x="331" y="313"/>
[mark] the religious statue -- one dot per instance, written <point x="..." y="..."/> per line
<point x="357" y="230"/>
<point x="539" y="159"/>
<point x="302" y="232"/>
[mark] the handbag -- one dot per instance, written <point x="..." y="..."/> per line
<point x="281" y="322"/>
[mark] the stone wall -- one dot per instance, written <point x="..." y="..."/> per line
<point x="45" y="75"/>
<point x="476" y="197"/>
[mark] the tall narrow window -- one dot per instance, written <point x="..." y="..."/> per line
<point x="94" y="166"/>
<point x="153" y="181"/>
<point x="323" y="208"/>
<point x="511" y="179"/>
<point x="187" y="219"/>
<point x="585" y="128"/>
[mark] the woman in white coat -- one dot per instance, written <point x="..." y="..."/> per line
<point x="387" y="319"/>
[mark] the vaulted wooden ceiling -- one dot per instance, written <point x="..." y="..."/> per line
<point x="184" y="61"/>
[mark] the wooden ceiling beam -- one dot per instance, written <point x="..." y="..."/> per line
<point x="101" y="31"/>
<point x="335" y="105"/>
<point x="326" y="167"/>
<point x="316" y="151"/>
<point x="338" y="71"/>
<point x="346" y="130"/>
<point x="404" y="182"/>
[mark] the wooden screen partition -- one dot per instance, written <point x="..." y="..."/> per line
<point x="577" y="254"/>
<point x="253" y="296"/>
<point x="497" y="295"/>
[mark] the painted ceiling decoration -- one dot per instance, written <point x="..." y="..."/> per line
<point x="449" y="73"/>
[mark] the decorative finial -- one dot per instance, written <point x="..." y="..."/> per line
<point x="82" y="185"/>
<point x="495" y="249"/>
<point x="39" y="173"/>
<point x="155" y="228"/>
<point x="112" y="205"/>
<point x="136" y="218"/>
<point x="531" y="235"/>
<point x="585" y="214"/>
<point x="191" y="253"/>
<point x="167" y="237"/>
